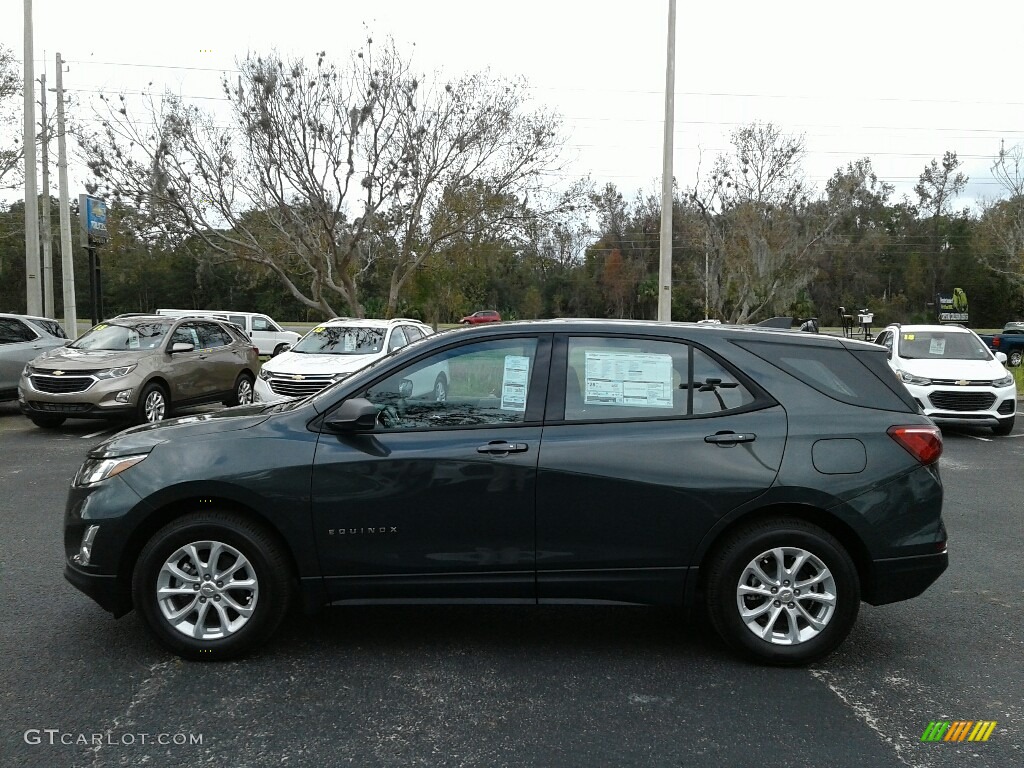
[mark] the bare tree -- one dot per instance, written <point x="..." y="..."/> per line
<point x="11" y="151"/>
<point x="1001" y="226"/>
<point x="321" y="166"/>
<point x="761" y="227"/>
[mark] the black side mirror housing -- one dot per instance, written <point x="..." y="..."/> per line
<point x="355" y="415"/>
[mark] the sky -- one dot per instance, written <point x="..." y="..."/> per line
<point x="900" y="81"/>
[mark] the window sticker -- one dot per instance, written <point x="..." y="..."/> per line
<point x="100" y="327"/>
<point x="318" y="329"/>
<point x="937" y="347"/>
<point x="637" y="379"/>
<point x="514" y="382"/>
<point x="908" y="337"/>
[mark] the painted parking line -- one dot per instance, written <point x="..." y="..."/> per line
<point x="975" y="437"/>
<point x="97" y="434"/>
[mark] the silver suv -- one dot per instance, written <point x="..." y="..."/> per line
<point x="141" y="368"/>
<point x="23" y="337"/>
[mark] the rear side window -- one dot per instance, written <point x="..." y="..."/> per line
<point x="835" y="372"/>
<point x="51" y="327"/>
<point x="14" y="331"/>
<point x="212" y="335"/>
<point x="623" y="378"/>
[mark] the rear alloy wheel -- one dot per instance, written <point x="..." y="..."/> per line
<point x="212" y="585"/>
<point x="242" y="394"/>
<point x="1005" y="426"/>
<point x="1013" y="359"/>
<point x="783" y="591"/>
<point x="153" y="404"/>
<point x="47" y="421"/>
<point x="440" y="389"/>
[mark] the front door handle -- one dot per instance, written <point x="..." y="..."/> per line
<point x="730" y="438"/>
<point x="502" y="448"/>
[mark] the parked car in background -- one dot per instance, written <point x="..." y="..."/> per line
<point x="268" y="336"/>
<point x="140" y="368"/>
<point x="334" y="350"/>
<point x="483" y="316"/>
<point x="22" y="338"/>
<point x="775" y="478"/>
<point x="1010" y="342"/>
<point x="952" y="375"/>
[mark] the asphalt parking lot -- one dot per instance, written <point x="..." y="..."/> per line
<point x="509" y="686"/>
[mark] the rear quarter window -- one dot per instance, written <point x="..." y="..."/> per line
<point x="856" y="378"/>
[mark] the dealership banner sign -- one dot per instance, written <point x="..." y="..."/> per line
<point x="952" y="308"/>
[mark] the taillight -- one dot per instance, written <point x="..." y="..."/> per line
<point x="924" y="443"/>
<point x="995" y="341"/>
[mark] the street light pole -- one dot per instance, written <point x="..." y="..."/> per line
<point x="33" y="294"/>
<point x="67" y="260"/>
<point x="665" y="268"/>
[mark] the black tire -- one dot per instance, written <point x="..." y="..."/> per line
<point x="729" y="563"/>
<point x="278" y="350"/>
<point x="440" y="393"/>
<point x="154" y="404"/>
<point x="1013" y="359"/>
<point x="242" y="394"/>
<point x="47" y="421"/>
<point x="266" y="564"/>
<point x="1005" y="426"/>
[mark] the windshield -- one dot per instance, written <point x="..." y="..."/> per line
<point x="113" y="337"/>
<point x="341" y="340"/>
<point x="940" y="345"/>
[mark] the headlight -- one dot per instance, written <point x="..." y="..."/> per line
<point x="95" y="470"/>
<point x="1006" y="381"/>
<point x="115" y="373"/>
<point x="908" y="378"/>
<point x="266" y="375"/>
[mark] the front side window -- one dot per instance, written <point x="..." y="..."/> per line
<point x="14" y="331"/>
<point x="341" y="340"/>
<point x="186" y="333"/>
<point x="618" y="378"/>
<point x="114" y="336"/>
<point x="260" y="323"/>
<point x="472" y="385"/>
<point x="398" y="339"/>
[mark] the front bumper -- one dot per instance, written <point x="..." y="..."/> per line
<point x="902" y="578"/>
<point x="110" y="592"/>
<point x="965" y="406"/>
<point x="99" y="400"/>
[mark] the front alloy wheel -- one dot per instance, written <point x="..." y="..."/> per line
<point x="783" y="591"/>
<point x="212" y="585"/>
<point x="207" y="590"/>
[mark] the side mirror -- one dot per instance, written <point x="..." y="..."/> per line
<point x="405" y="388"/>
<point x="182" y="346"/>
<point x="1001" y="357"/>
<point x="355" y="415"/>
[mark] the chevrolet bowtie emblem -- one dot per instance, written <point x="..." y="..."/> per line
<point x="58" y="373"/>
<point x="963" y="383"/>
<point x="298" y="377"/>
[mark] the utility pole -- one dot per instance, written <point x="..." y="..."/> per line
<point x="67" y="256"/>
<point x="665" y="268"/>
<point x="46" y="236"/>
<point x="33" y="295"/>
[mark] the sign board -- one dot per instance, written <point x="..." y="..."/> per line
<point x="952" y="308"/>
<point x="92" y="213"/>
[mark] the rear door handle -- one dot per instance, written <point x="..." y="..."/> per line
<point x="501" y="447"/>
<point x="730" y="438"/>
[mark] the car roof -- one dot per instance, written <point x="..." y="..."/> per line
<point x="27" y="317"/>
<point x="369" y="322"/>
<point x="921" y="328"/>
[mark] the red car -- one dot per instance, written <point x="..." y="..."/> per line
<point x="483" y="316"/>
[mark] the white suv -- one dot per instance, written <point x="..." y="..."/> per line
<point x="334" y="351"/>
<point x="952" y="374"/>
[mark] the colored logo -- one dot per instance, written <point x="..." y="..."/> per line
<point x="958" y="730"/>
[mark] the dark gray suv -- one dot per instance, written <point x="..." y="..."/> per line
<point x="775" y="478"/>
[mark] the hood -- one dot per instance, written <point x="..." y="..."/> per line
<point x="297" y="362"/>
<point x="973" y="370"/>
<point x="69" y="359"/>
<point x="143" y="438"/>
